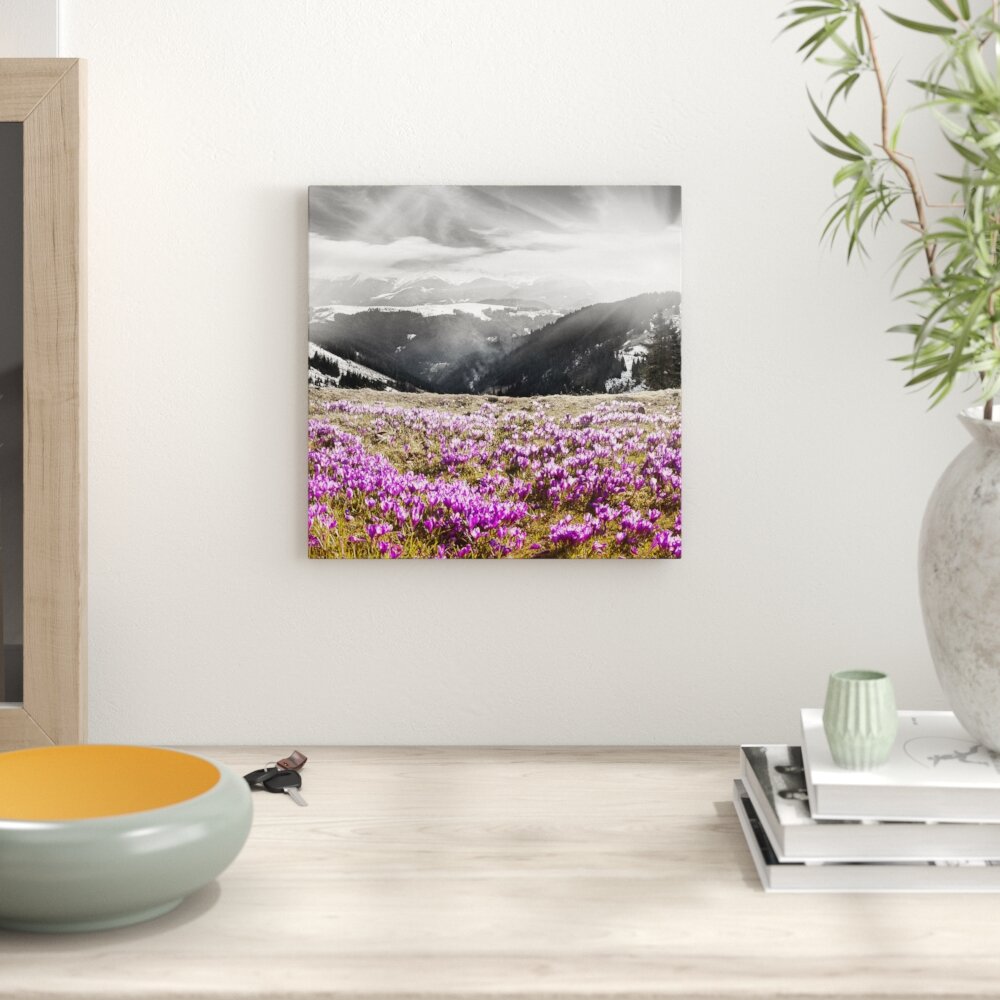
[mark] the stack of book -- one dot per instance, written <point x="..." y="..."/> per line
<point x="926" y="821"/>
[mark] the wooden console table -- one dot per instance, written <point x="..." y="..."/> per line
<point x="529" y="873"/>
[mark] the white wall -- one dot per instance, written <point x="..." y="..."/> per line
<point x="807" y="466"/>
<point x="29" y="28"/>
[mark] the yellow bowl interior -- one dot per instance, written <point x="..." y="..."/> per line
<point x="86" y="782"/>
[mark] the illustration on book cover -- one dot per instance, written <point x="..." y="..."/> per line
<point x="950" y="754"/>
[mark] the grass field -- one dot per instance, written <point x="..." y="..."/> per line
<point x="422" y="475"/>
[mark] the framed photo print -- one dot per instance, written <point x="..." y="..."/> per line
<point x="494" y="372"/>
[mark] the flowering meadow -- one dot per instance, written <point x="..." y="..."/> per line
<point x="417" y="476"/>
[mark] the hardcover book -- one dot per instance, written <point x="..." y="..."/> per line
<point x="775" y="781"/>
<point x="798" y="876"/>
<point x="935" y="771"/>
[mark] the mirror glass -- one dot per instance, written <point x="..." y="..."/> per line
<point x="11" y="409"/>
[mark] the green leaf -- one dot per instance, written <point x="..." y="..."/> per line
<point x="805" y="19"/>
<point x="894" y="138"/>
<point x="953" y="179"/>
<point x="851" y="170"/>
<point x="859" y="222"/>
<point x="813" y="42"/>
<point x="943" y="8"/>
<point x="959" y="96"/>
<point x="858" y="145"/>
<point x="819" y="9"/>
<point x="830" y="127"/>
<point x="834" y="222"/>
<point x="930" y="29"/>
<point x="833" y="151"/>
<point x="924" y="376"/>
<point x="963" y="9"/>
<point x="845" y="48"/>
<point x="972" y="60"/>
<point x="967" y="154"/>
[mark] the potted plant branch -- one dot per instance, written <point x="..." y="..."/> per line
<point x="955" y="299"/>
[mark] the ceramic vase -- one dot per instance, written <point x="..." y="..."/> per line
<point x="960" y="580"/>
<point x="859" y="719"/>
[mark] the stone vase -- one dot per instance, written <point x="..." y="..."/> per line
<point x="960" y="580"/>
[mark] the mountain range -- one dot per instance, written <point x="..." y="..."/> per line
<point x="515" y="349"/>
<point x="560" y="294"/>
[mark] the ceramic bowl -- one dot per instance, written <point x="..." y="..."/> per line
<point x="93" y="837"/>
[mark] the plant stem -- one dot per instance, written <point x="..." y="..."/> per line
<point x="901" y="165"/>
<point x="991" y="307"/>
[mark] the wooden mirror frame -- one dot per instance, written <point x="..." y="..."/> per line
<point x="46" y="95"/>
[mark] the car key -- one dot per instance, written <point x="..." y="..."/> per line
<point x="255" y="779"/>
<point x="286" y="781"/>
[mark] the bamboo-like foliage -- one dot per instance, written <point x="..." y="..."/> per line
<point x="957" y="329"/>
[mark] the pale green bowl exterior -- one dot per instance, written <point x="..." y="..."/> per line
<point x="92" y="874"/>
<point x="860" y="719"/>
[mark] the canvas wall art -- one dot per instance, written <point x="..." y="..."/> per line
<point x="494" y="372"/>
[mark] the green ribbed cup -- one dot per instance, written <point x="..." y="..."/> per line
<point x="859" y="719"/>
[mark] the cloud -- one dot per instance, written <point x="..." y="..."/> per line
<point x="338" y="258"/>
<point x="619" y="240"/>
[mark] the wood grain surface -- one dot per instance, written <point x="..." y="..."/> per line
<point x="47" y="96"/>
<point x="25" y="82"/>
<point x="54" y="458"/>
<point x="531" y="873"/>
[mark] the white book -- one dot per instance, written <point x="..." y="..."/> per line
<point x="935" y="771"/>
<point x="775" y="780"/>
<point x="884" y="876"/>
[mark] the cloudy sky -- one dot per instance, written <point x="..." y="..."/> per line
<point x="619" y="240"/>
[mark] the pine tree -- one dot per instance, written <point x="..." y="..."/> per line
<point x="320" y="363"/>
<point x="662" y="366"/>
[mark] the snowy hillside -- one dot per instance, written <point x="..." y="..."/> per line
<point x="328" y="361"/>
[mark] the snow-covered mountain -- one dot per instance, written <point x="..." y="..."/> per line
<point x="605" y="347"/>
<point x="481" y="310"/>
<point x="426" y="288"/>
<point x="329" y="369"/>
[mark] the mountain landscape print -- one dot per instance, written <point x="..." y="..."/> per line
<point x="494" y="372"/>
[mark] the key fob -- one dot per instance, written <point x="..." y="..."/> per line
<point x="293" y="762"/>
<point x="255" y="779"/>
<point x="281" y="780"/>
